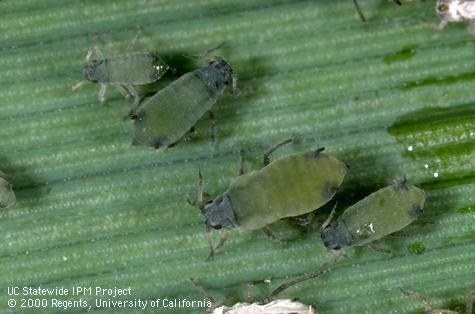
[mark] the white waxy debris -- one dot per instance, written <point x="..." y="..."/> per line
<point x="275" y="307"/>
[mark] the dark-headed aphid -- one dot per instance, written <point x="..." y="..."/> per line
<point x="456" y="11"/>
<point x="283" y="306"/>
<point x="122" y="71"/>
<point x="428" y="309"/>
<point x="7" y="197"/>
<point x="288" y="187"/>
<point x="163" y="119"/>
<point x="381" y="213"/>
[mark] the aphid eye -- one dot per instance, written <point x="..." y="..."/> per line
<point x="443" y="8"/>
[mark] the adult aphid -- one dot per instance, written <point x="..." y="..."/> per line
<point x="383" y="212"/>
<point x="122" y="71"/>
<point x="288" y="187"/>
<point x="283" y="306"/>
<point x="163" y="119"/>
<point x="428" y="309"/>
<point x="456" y="11"/>
<point x="7" y="197"/>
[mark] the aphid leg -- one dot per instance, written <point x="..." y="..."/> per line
<point x="232" y="81"/>
<point x="204" y="293"/>
<point x="470" y="303"/>
<point x="97" y="51"/>
<point x="358" y="10"/>
<point x="102" y="93"/>
<point x="267" y="154"/>
<point x="471" y="27"/>
<point x="132" y="91"/>
<point x="213" y="127"/>
<point x="304" y="220"/>
<point x="122" y="90"/>
<point x="250" y="293"/>
<point x="79" y="85"/>
<point x="268" y="232"/>
<point x="241" y="163"/>
<point x="321" y="270"/>
<point x="329" y="219"/>
<point x="425" y="301"/>
<point x="380" y="248"/>
<point x="439" y="26"/>
<point x="130" y="47"/>
<point x="222" y="240"/>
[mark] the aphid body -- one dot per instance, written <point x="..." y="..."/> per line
<point x="7" y="197"/>
<point x="164" y="118"/>
<point x="136" y="68"/>
<point x="275" y="307"/>
<point x="379" y="214"/>
<point x="290" y="186"/>
<point x="122" y="70"/>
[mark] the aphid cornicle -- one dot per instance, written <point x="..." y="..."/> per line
<point x="456" y="11"/>
<point x="288" y="187"/>
<point x="7" y="197"/>
<point x="163" y="119"/>
<point x="381" y="213"/>
<point x="122" y="71"/>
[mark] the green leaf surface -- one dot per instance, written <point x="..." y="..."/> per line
<point x="391" y="97"/>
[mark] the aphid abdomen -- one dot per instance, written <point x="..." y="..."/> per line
<point x="381" y="213"/>
<point x="7" y="197"/>
<point x="136" y="69"/>
<point x="165" y="117"/>
<point x="287" y="187"/>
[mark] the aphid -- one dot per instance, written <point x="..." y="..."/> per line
<point x="383" y="212"/>
<point x="7" y="197"/>
<point x="456" y="11"/>
<point x="122" y="71"/>
<point x="163" y="119"/>
<point x="283" y="306"/>
<point x="428" y="309"/>
<point x="288" y="187"/>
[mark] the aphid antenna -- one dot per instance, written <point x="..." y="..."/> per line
<point x="408" y="293"/>
<point x="204" y="293"/>
<point x="359" y="11"/>
<point x="321" y="270"/>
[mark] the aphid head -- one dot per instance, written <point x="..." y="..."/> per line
<point x="93" y="70"/>
<point x="447" y="10"/>
<point x="219" y="213"/>
<point x="225" y="72"/>
<point x="336" y="235"/>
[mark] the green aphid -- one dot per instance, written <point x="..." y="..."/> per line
<point x="163" y="119"/>
<point x="7" y="197"/>
<point x="381" y="213"/>
<point x="288" y="187"/>
<point x="122" y="71"/>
